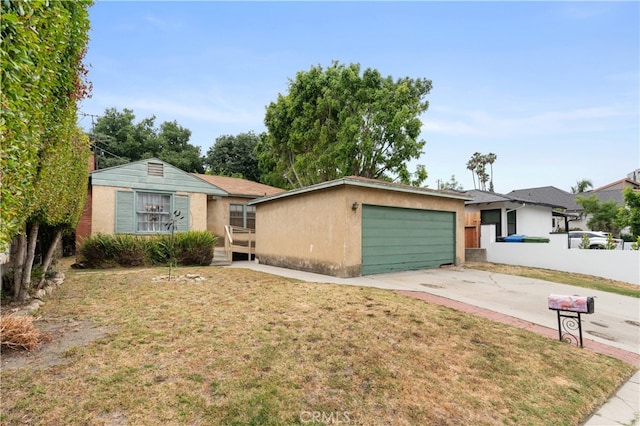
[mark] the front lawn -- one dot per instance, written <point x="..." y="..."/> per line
<point x="243" y="347"/>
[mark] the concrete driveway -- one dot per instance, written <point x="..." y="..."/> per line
<point x="616" y="321"/>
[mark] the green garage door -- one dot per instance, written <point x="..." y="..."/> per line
<point x="399" y="239"/>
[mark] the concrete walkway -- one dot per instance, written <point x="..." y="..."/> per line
<point x="614" y="328"/>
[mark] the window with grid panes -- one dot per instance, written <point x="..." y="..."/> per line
<point x="153" y="212"/>
<point x="242" y="215"/>
<point x="236" y="215"/>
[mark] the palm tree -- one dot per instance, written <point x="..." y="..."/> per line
<point x="490" y="158"/>
<point x="581" y="186"/>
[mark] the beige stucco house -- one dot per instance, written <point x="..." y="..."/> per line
<point x="355" y="226"/>
<point x="141" y="197"/>
<point x="232" y="209"/>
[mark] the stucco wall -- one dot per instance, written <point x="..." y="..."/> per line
<point x="320" y="232"/>
<point x="103" y="209"/>
<point x="308" y="232"/>
<point x="622" y="265"/>
<point x="218" y="214"/>
<point x="534" y="221"/>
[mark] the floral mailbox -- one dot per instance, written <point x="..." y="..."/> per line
<point x="569" y="309"/>
<point x="580" y="304"/>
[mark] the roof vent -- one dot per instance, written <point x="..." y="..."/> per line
<point x="155" y="169"/>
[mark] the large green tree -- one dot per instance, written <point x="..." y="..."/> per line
<point x="118" y="139"/>
<point x="603" y="214"/>
<point x="629" y="215"/>
<point x="339" y="121"/>
<point x="43" y="77"/>
<point x="235" y="156"/>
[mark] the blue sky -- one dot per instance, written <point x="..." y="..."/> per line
<point x="552" y="88"/>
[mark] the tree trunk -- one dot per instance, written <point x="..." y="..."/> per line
<point x="18" y="262"/>
<point x="49" y="257"/>
<point x="28" y="264"/>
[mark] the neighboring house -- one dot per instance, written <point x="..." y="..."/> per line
<point x="512" y="215"/>
<point x="574" y="211"/>
<point x="618" y="185"/>
<point x="565" y="202"/>
<point x="355" y="226"/>
<point x="140" y="198"/>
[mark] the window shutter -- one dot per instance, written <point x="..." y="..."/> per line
<point x="181" y="202"/>
<point x="125" y="212"/>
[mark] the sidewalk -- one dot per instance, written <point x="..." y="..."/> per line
<point x="487" y="299"/>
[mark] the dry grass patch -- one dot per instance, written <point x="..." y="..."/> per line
<point x="245" y="347"/>
<point x="18" y="332"/>
<point x="578" y="280"/>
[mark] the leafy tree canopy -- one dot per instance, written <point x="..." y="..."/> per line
<point x="452" y="184"/>
<point x="603" y="214"/>
<point x="235" y="156"/>
<point x="337" y="121"/>
<point x="630" y="214"/>
<point x="119" y="140"/>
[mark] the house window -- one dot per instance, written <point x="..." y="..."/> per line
<point x="491" y="217"/>
<point x="150" y="212"/>
<point x="242" y="216"/>
<point x="251" y="217"/>
<point x="511" y="222"/>
<point x="153" y="212"/>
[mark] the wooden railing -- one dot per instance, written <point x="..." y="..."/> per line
<point x="239" y="240"/>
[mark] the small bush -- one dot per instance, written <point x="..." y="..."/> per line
<point x="106" y="251"/>
<point x="18" y="332"/>
<point x="98" y="251"/>
<point x="585" y="242"/>
<point x="194" y="248"/>
<point x="129" y="250"/>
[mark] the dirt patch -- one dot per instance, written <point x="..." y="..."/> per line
<point x="64" y="335"/>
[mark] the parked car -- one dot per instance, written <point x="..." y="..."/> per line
<point x="597" y="239"/>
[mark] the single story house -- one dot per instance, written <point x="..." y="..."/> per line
<point x="141" y="197"/>
<point x="577" y="219"/>
<point x="551" y="195"/>
<point x="513" y="215"/>
<point x="232" y="209"/>
<point x="356" y="226"/>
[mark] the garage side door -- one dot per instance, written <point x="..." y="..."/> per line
<point x="399" y="239"/>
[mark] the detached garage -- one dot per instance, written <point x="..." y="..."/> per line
<point x="355" y="226"/>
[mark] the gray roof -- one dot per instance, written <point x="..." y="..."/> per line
<point x="484" y="197"/>
<point x="548" y="195"/>
<point x="616" y="195"/>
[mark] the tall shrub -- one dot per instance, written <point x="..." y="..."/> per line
<point x="43" y="77"/>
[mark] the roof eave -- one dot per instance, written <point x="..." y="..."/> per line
<point x="354" y="182"/>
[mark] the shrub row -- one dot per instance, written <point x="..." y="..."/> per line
<point x="107" y="251"/>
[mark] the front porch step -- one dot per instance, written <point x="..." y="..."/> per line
<point x="220" y="257"/>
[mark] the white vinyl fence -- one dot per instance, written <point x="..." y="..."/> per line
<point x="621" y="265"/>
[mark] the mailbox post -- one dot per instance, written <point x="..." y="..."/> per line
<point x="569" y="309"/>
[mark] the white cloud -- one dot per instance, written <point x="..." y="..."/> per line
<point x="218" y="111"/>
<point x="496" y="124"/>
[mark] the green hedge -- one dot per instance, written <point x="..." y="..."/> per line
<point x="108" y="251"/>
